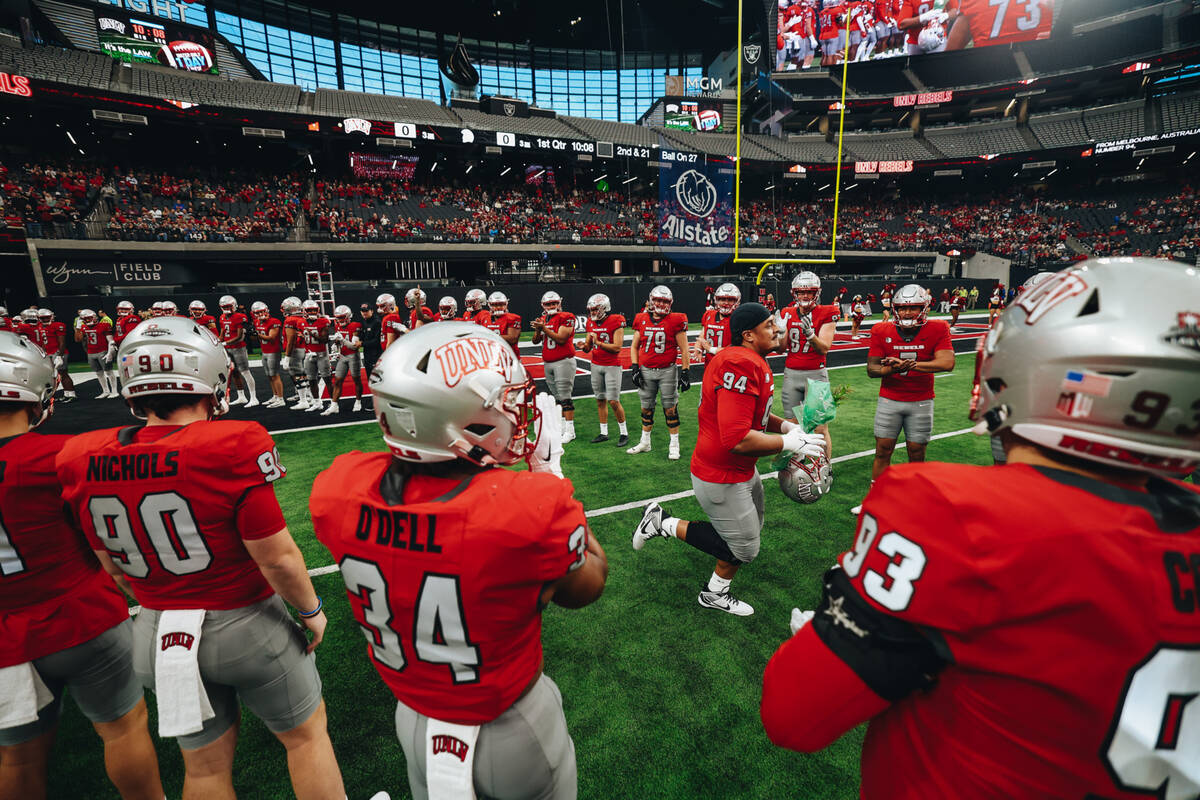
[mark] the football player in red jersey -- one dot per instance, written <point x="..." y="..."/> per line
<point x="735" y="429"/>
<point x="233" y="336"/>
<point x="714" y="324"/>
<point x="447" y="309"/>
<point x="554" y="330"/>
<point x="169" y="309"/>
<point x="391" y="327"/>
<point x="475" y="302"/>
<point x="63" y="622"/>
<point x="810" y="328"/>
<point x="198" y="312"/>
<point x="268" y="330"/>
<point x="293" y="352"/>
<point x="314" y="336"/>
<point x="127" y="320"/>
<point x="659" y="339"/>
<point x="984" y="669"/>
<point x="349" y="361"/>
<point x="52" y="336"/>
<point x="605" y="338"/>
<point x="6" y="322"/>
<point x="917" y="15"/>
<point x="449" y="560"/>
<point x="499" y="319"/>
<point x="904" y="355"/>
<point x="97" y="339"/>
<point x="156" y="308"/>
<point x="184" y="507"/>
<point x="418" y="313"/>
<point x="984" y="23"/>
<point x="832" y="19"/>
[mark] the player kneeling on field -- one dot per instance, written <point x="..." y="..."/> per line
<point x="63" y="622"/>
<point x="183" y="507"/>
<point x="735" y="430"/>
<point x="449" y="559"/>
<point x="1031" y="630"/>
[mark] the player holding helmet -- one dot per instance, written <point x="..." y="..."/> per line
<point x="904" y="355"/>
<point x="919" y="16"/>
<point x="499" y="319"/>
<point x="944" y="601"/>
<point x="346" y="336"/>
<point x="555" y="331"/>
<point x="475" y="302"/>
<point x="659" y="338"/>
<point x="268" y="329"/>
<point x="714" y="324"/>
<point x="605" y="338"/>
<point x="233" y="336"/>
<point x="184" y="508"/>
<point x="735" y="429"/>
<point x="809" y="332"/>
<point x="453" y="595"/>
<point x="63" y="622"/>
<point x="97" y="339"/>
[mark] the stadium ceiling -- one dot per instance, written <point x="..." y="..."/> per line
<point x="671" y="25"/>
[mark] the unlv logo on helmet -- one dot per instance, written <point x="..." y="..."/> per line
<point x="462" y="357"/>
<point x="1039" y="300"/>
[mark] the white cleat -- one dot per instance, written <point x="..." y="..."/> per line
<point x="357" y="405"/>
<point x="856" y="510"/>
<point x="253" y="402"/>
<point x="568" y="436"/>
<point x="381" y="796"/>
<point x="640" y="447"/>
<point x="237" y="401"/>
<point x="649" y="527"/>
<point x="724" y="601"/>
<point x="673" y="452"/>
<point x="315" y="405"/>
<point x="274" y="402"/>
<point x="333" y="409"/>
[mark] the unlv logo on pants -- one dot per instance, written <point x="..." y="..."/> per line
<point x="178" y="639"/>
<point x="452" y="745"/>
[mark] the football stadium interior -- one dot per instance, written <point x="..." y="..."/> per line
<point x="154" y="150"/>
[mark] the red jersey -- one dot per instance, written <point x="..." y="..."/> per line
<point x="915" y="8"/>
<point x="958" y="301"/>
<point x="311" y="333"/>
<point x="126" y="324"/>
<point x="53" y="592"/>
<point x="172" y="506"/>
<point x="800" y="352"/>
<point x="715" y="328"/>
<point x="233" y="326"/>
<point x="391" y="324"/>
<point x="552" y="350"/>
<point x="605" y="331"/>
<point x="424" y="313"/>
<point x="7" y="324"/>
<point x="204" y="321"/>
<point x="501" y="324"/>
<point x="886" y="340"/>
<point x="27" y="330"/>
<point x="348" y="330"/>
<point x="295" y="323"/>
<point x="735" y="398"/>
<point x="1106" y="714"/>
<point x="445" y="580"/>
<point x="263" y="328"/>
<point x="1008" y="22"/>
<point x="657" y="347"/>
<point x="52" y="336"/>
<point x="832" y="21"/>
<point x="95" y="337"/>
<point x="858" y="311"/>
<point x="884" y="11"/>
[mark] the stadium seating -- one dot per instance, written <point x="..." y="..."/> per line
<point x="1181" y="113"/>
<point x="615" y="132"/>
<point x="1112" y="123"/>
<point x="887" y="147"/>
<point x="50" y="200"/>
<point x="977" y="140"/>
<point x="534" y="126"/>
<point x="335" y="103"/>
<point x="1064" y="129"/>
<point x="170" y="84"/>
<point x="56" y="64"/>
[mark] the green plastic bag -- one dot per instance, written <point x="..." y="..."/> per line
<point x="819" y="406"/>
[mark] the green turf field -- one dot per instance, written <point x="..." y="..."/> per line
<point x="661" y="695"/>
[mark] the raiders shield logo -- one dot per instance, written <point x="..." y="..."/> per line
<point x="510" y="109"/>
<point x="752" y="52"/>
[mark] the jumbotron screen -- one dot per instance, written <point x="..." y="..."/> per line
<point x="813" y="32"/>
<point x="146" y="41"/>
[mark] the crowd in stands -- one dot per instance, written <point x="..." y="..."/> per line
<point x="191" y="206"/>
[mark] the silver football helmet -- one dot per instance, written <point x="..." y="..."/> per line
<point x="806" y="290"/>
<point x="27" y="375"/>
<point x="727" y="297"/>
<point x="1101" y="362"/>
<point x="45" y="316"/>
<point x="30" y="315"/>
<point x="156" y="309"/>
<point x="3" y="312"/>
<point x="454" y="391"/>
<point x="1035" y="279"/>
<point x="169" y="309"/>
<point x="124" y="308"/>
<point x="290" y="306"/>
<point x="342" y="314"/>
<point x="312" y="309"/>
<point x="197" y="309"/>
<point x="908" y="296"/>
<point x="661" y="300"/>
<point x="551" y="302"/>
<point x="87" y="316"/>
<point x="599" y="306"/>
<point x="259" y="309"/>
<point x="414" y="298"/>
<point x="448" y="307"/>
<point x="476" y="299"/>
<point x="227" y="304"/>
<point x="174" y="355"/>
<point x="498" y="302"/>
<point x="385" y="303"/>
<point x="806" y="479"/>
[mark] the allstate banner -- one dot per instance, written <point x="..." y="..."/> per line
<point x="695" y="209"/>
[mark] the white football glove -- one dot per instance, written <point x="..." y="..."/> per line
<point x="812" y="42"/>
<point x="111" y="354"/>
<point x="335" y="337"/>
<point x="939" y="17"/>
<point x="285" y="362"/>
<point x="806" y="327"/>
<point x="787" y="425"/>
<point x="800" y="619"/>
<point x="58" y="361"/>
<point x="797" y="442"/>
<point x="547" y="455"/>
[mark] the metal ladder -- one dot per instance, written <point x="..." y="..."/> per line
<point x="320" y="288"/>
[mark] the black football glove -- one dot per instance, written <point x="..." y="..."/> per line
<point x="636" y="376"/>
<point x="685" y="380"/>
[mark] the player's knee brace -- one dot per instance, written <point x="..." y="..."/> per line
<point x="704" y="537"/>
<point x="672" y="415"/>
<point x="568" y="404"/>
<point x="647" y="417"/>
